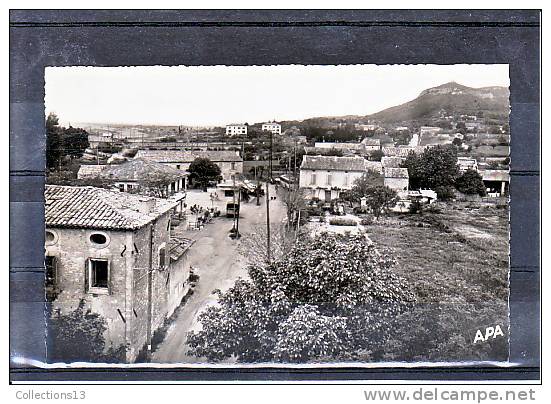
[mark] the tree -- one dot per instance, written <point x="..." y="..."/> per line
<point x="470" y="183"/>
<point x="75" y="141"/>
<point x="204" y="171"/>
<point x="380" y="199"/>
<point x="53" y="141"/>
<point x="78" y="336"/>
<point x="376" y="155"/>
<point x="331" y="297"/>
<point x="362" y="185"/>
<point x="457" y="142"/>
<point x="294" y="201"/>
<point x="435" y="168"/>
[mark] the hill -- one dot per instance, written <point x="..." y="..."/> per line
<point x="451" y="98"/>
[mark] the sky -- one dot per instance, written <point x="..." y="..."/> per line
<point x="218" y="95"/>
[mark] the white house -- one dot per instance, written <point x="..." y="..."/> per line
<point x="466" y="163"/>
<point x="273" y="127"/>
<point x="236" y="129"/>
<point x="325" y="177"/>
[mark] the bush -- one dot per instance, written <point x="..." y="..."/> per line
<point x="342" y="221"/>
<point x="445" y="193"/>
<point x="366" y="221"/>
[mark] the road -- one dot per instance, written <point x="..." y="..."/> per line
<point x="218" y="263"/>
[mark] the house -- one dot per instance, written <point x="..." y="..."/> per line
<point x="236" y="129"/>
<point x="113" y="251"/>
<point x="496" y="182"/>
<point x="371" y="144"/>
<point x="392" y="162"/>
<point x="273" y="127"/>
<point x="325" y="177"/>
<point x="467" y="163"/>
<point x="230" y="162"/>
<point x="423" y="196"/>
<point x="397" y="179"/>
<point x="365" y="127"/>
<point x="100" y="139"/>
<point x="89" y="170"/>
<point x="342" y="146"/>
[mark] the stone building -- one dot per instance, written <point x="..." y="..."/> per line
<point x="236" y="129"/>
<point x="397" y="179"/>
<point x="113" y="251"/>
<point x="230" y="162"/>
<point x="273" y="127"/>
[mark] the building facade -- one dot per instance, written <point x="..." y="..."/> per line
<point x="236" y="129"/>
<point x="326" y="177"/>
<point x="110" y="250"/>
<point x="273" y="127"/>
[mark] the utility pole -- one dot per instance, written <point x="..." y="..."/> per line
<point x="268" y="220"/>
<point x="295" y="166"/>
<point x="271" y="147"/>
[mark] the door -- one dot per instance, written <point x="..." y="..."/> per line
<point x="327" y="195"/>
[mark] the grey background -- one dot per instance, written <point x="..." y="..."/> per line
<point x="234" y="37"/>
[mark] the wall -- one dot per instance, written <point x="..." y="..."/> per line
<point x="339" y="179"/>
<point x="397" y="184"/>
<point x="178" y="283"/>
<point x="72" y="250"/>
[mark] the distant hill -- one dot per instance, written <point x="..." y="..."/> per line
<point x="451" y="97"/>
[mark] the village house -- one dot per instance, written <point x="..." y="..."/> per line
<point x="236" y="129"/>
<point x="89" y="170"/>
<point x="100" y="139"/>
<point x="496" y="182"/>
<point x="392" y="162"/>
<point x="326" y="177"/>
<point x="113" y="251"/>
<point x="467" y="163"/>
<point x="365" y="127"/>
<point x="429" y="130"/>
<point x="273" y="127"/>
<point x="371" y="144"/>
<point x="144" y="177"/>
<point x="352" y="147"/>
<point x="230" y="162"/>
<point x="397" y="179"/>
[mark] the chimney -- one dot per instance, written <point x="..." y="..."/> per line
<point x="146" y="206"/>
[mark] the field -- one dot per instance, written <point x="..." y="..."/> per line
<point x="456" y="259"/>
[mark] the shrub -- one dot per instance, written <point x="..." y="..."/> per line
<point x="342" y="221"/>
<point x="366" y="221"/>
<point x="445" y="193"/>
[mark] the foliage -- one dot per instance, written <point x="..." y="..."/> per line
<point x="254" y="245"/>
<point x="444" y="193"/>
<point x="329" y="298"/>
<point x="362" y="185"/>
<point x="435" y="167"/>
<point x="457" y="142"/>
<point x="63" y="142"/>
<point x="78" y="336"/>
<point x="380" y="199"/>
<point x="203" y="171"/>
<point x="471" y="183"/>
<point x="376" y="155"/>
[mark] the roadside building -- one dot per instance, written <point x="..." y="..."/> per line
<point x="326" y="177"/>
<point x="110" y="250"/>
<point x="230" y="162"/>
<point x="89" y="170"/>
<point x="273" y="127"/>
<point x="467" y="163"/>
<point x="352" y="148"/>
<point x="141" y="176"/>
<point x="236" y="129"/>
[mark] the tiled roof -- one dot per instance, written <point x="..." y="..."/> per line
<point x="373" y="165"/>
<point x="339" y="145"/>
<point x="392" y="161"/>
<point x="333" y="163"/>
<point x="141" y="170"/>
<point x="179" y="156"/>
<point x="495" y="175"/>
<point x="97" y="208"/>
<point x="391" y="172"/>
<point x="402" y="151"/>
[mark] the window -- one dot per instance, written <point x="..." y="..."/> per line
<point x="345" y="180"/>
<point x="329" y="179"/>
<point x="98" y="275"/>
<point x="178" y="166"/>
<point x="313" y="179"/>
<point x="162" y="257"/>
<point x="121" y="187"/>
<point x="51" y="271"/>
<point x="50" y="237"/>
<point x="99" y="239"/>
<point x="233" y="166"/>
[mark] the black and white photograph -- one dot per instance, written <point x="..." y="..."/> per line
<point x="283" y="215"/>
